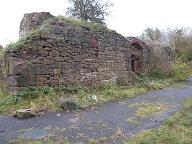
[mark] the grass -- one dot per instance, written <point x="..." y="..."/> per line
<point x="133" y="121"/>
<point x="175" y="130"/>
<point x="118" y="134"/>
<point x="148" y="109"/>
<point x="47" y="98"/>
<point x="37" y="99"/>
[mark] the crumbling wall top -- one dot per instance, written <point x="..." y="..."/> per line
<point x="31" y="21"/>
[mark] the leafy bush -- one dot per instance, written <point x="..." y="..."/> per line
<point x="34" y="92"/>
<point x="186" y="55"/>
<point x="181" y="70"/>
<point x="158" y="73"/>
<point x="141" y="80"/>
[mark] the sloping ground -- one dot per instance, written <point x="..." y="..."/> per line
<point x="109" y="123"/>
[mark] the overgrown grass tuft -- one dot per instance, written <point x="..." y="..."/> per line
<point x="148" y="109"/>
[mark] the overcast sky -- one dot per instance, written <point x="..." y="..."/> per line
<point x="128" y="17"/>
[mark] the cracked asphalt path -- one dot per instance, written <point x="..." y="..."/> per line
<point x="109" y="121"/>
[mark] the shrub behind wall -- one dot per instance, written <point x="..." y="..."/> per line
<point x="181" y="70"/>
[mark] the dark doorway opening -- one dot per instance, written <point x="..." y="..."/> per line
<point x="135" y="66"/>
<point x="132" y="66"/>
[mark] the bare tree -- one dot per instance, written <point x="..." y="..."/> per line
<point x="151" y="34"/>
<point x="179" y="39"/>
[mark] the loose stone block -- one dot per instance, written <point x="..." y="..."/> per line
<point x="24" y="113"/>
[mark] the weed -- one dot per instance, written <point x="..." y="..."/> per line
<point x="118" y="133"/>
<point x="158" y="73"/>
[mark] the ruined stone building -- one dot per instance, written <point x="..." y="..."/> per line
<point x="55" y="50"/>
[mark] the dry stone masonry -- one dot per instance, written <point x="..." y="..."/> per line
<point x="54" y="50"/>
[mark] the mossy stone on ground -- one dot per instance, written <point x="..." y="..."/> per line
<point x="68" y="103"/>
<point x="24" y="113"/>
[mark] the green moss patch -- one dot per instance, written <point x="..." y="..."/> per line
<point x="148" y="109"/>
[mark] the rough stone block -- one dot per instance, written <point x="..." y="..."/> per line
<point x="40" y="69"/>
<point x="12" y="81"/>
<point x="47" y="61"/>
<point x="57" y="71"/>
<point x="24" y="113"/>
<point x="22" y="80"/>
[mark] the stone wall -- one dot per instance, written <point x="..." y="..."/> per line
<point x="60" y="52"/>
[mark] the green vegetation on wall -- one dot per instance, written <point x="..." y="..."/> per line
<point x="26" y="41"/>
<point x="76" y="22"/>
<point x="47" y="27"/>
